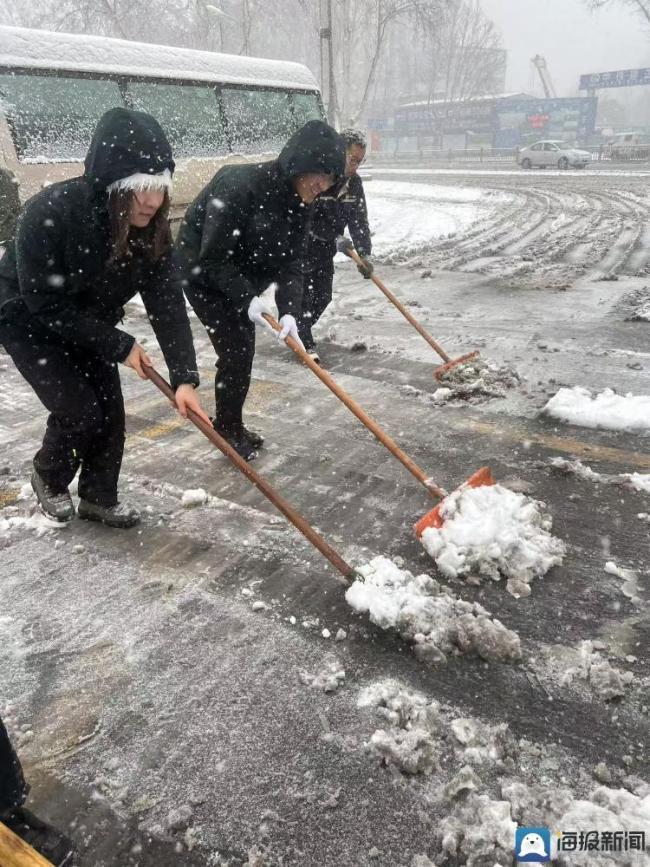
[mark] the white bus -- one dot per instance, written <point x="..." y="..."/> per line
<point x="215" y="108"/>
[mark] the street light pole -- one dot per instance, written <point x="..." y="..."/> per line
<point x="327" y="59"/>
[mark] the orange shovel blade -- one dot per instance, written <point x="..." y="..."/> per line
<point x="439" y="371"/>
<point x="433" y="519"/>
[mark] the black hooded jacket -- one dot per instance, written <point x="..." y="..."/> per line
<point x="342" y="205"/>
<point x="247" y="227"/>
<point x="56" y="279"/>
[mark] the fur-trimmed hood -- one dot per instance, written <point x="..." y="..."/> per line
<point x="129" y="150"/>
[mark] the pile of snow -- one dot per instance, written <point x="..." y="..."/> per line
<point x="607" y="682"/>
<point x="496" y="532"/>
<point x="638" y="481"/>
<point x="636" y="305"/>
<point x="418" y="736"/>
<point x="629" y="577"/>
<point x="328" y="679"/>
<point x="475" y="381"/>
<point x="409" y="740"/>
<point x="575" y="468"/>
<point x="605" y="410"/>
<point x="606" y="809"/>
<point x="194" y="497"/>
<point x="480" y="831"/>
<point x="12" y="526"/>
<point x="438" y="623"/>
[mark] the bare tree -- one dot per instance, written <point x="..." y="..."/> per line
<point x="384" y="50"/>
<point x="641" y="7"/>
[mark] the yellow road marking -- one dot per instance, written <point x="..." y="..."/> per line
<point x="568" y="445"/>
<point x="159" y="430"/>
<point x="8" y="497"/>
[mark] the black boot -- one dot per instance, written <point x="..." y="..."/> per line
<point x="256" y="439"/>
<point x="48" y="841"/>
<point x="55" y="504"/>
<point x="236" y="436"/>
<point x="121" y="515"/>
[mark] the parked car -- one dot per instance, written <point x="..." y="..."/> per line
<point x="558" y="154"/>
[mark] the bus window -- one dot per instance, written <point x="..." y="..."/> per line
<point x="189" y="114"/>
<point x="306" y="107"/>
<point x="258" y="120"/>
<point x="53" y="118"/>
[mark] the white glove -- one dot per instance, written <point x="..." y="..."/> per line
<point x="289" y="329"/>
<point x="256" y="308"/>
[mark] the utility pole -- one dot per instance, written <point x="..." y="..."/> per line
<point x="327" y="60"/>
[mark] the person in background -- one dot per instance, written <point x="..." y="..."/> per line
<point x="52" y="844"/>
<point x="343" y="205"/>
<point x="246" y="231"/>
<point x="83" y="248"/>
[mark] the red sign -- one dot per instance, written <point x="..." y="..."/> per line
<point x="537" y="121"/>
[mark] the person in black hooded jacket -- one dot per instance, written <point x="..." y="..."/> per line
<point x="83" y="248"/>
<point x="344" y="205"/>
<point x="245" y="231"/>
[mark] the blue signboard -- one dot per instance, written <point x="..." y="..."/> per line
<point x="618" y="78"/>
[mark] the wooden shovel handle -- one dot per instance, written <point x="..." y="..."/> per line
<point x="14" y="852"/>
<point x="402" y="309"/>
<point x="363" y="417"/>
<point x="260" y="482"/>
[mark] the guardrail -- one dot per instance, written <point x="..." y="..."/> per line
<point x="470" y="155"/>
<point x="601" y="153"/>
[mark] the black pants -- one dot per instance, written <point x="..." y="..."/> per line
<point x="316" y="295"/>
<point x="13" y="789"/>
<point x="233" y="337"/>
<point x="85" y="427"/>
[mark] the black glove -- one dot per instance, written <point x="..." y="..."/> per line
<point x="366" y="268"/>
<point x="344" y="245"/>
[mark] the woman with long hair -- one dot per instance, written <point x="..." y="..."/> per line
<point x="83" y="248"/>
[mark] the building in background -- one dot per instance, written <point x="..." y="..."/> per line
<point x="507" y="120"/>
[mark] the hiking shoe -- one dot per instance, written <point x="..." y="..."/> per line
<point x="121" y="515"/>
<point x="55" y="504"/>
<point x="47" y="840"/>
<point x="255" y="439"/>
<point x="235" y="436"/>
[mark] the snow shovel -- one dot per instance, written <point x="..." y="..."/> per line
<point x="480" y="477"/>
<point x="347" y="572"/>
<point x="449" y="362"/>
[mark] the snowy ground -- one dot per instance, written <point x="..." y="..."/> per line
<point x="198" y="691"/>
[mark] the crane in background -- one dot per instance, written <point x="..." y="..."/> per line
<point x="541" y="66"/>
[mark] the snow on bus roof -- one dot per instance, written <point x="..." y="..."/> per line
<point x="42" y="49"/>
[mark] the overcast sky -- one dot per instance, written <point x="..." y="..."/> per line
<point x="572" y="39"/>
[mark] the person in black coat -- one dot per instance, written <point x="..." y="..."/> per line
<point x="245" y="231"/>
<point x="83" y="248"/>
<point x="342" y="205"/>
<point x="52" y="844"/>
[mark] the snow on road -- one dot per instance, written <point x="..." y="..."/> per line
<point x="406" y="217"/>
<point x="605" y="410"/>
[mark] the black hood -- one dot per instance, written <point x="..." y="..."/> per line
<point x="126" y="143"/>
<point x="315" y="147"/>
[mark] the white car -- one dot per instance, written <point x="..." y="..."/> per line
<point x="555" y="154"/>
